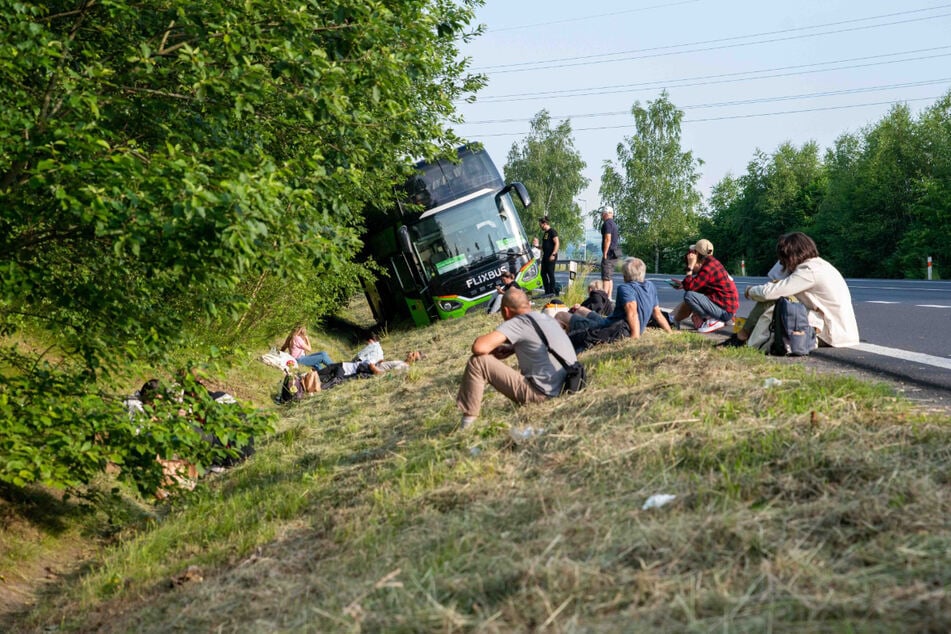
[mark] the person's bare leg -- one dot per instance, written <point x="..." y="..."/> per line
<point x="680" y="312"/>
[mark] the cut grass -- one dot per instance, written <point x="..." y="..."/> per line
<point x="819" y="504"/>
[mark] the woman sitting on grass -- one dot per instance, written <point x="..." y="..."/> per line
<point x="598" y="301"/>
<point x="297" y="345"/>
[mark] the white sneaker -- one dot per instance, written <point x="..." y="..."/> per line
<point x="710" y="325"/>
<point x="466" y="421"/>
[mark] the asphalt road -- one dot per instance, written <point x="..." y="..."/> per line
<point x="904" y="326"/>
<point x="910" y="315"/>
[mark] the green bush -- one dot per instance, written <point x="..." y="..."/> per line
<point x="57" y="433"/>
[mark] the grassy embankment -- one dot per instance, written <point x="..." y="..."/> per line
<point x="818" y="504"/>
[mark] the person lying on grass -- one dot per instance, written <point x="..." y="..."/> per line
<point x="185" y="415"/>
<point x="336" y="373"/>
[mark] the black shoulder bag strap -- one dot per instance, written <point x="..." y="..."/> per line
<point x="545" y="341"/>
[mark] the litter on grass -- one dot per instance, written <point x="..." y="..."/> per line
<point x="658" y="500"/>
<point x="520" y="434"/>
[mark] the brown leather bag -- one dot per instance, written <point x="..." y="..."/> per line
<point x="311" y="382"/>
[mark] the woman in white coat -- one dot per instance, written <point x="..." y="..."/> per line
<point x="815" y="283"/>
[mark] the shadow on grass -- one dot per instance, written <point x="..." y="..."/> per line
<point x="43" y="509"/>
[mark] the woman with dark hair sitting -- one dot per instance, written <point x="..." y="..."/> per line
<point x="815" y="283"/>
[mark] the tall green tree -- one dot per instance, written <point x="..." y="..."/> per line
<point x="159" y="160"/>
<point x="548" y="164"/>
<point x="780" y="192"/>
<point x="887" y="207"/>
<point x="653" y="184"/>
<point x="876" y="204"/>
<point x="931" y="209"/>
<point x="721" y="221"/>
<point x="873" y="186"/>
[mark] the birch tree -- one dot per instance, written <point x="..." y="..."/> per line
<point x="548" y="164"/>
<point x="652" y="183"/>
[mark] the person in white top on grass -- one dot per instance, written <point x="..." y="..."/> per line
<point x="818" y="285"/>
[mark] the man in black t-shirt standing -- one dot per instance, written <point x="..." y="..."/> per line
<point x="549" y="255"/>
<point x="610" y="248"/>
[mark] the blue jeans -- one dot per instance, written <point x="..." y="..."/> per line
<point x="704" y="307"/>
<point x="315" y="360"/>
<point x="494" y="304"/>
<point x="588" y="322"/>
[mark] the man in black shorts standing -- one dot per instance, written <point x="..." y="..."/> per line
<point x="550" y="246"/>
<point x="610" y="248"/>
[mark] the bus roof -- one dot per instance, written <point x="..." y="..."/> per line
<point x="457" y="201"/>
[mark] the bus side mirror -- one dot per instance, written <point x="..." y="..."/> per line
<point x="519" y="189"/>
<point x="406" y="244"/>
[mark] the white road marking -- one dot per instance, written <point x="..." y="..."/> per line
<point x="905" y="355"/>
<point x="879" y="301"/>
<point x="931" y="306"/>
<point x="941" y="289"/>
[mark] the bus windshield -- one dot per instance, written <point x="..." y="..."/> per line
<point x="466" y="234"/>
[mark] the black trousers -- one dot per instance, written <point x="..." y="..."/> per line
<point x="548" y="274"/>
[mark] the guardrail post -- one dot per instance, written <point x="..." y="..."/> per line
<point x="929" y="267"/>
<point x="743" y="268"/>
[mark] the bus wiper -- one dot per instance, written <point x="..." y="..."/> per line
<point x="492" y="257"/>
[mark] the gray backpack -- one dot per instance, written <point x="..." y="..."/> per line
<point x="792" y="334"/>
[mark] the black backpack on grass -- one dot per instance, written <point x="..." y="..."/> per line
<point x="292" y="388"/>
<point x="792" y="334"/>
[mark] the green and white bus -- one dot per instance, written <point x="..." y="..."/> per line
<point x="447" y="242"/>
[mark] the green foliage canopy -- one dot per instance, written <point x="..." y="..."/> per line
<point x="548" y="164"/>
<point x="877" y="204"/>
<point x="780" y="192"/>
<point x="874" y="183"/>
<point x="156" y="159"/>
<point x="653" y="185"/>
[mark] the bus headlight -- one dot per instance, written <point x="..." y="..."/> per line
<point x="531" y="272"/>
<point x="449" y="305"/>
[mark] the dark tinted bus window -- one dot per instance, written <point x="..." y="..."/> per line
<point x="443" y="181"/>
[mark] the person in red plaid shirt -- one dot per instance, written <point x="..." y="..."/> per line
<point x="711" y="298"/>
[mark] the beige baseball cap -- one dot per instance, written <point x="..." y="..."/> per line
<point x="703" y="247"/>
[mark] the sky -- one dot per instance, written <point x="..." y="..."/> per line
<point x="748" y="75"/>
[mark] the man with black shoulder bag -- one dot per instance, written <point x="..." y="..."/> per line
<point x="545" y="355"/>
